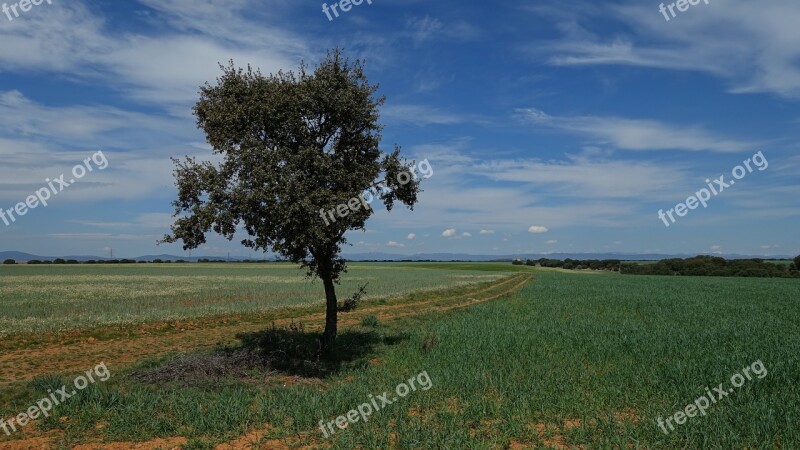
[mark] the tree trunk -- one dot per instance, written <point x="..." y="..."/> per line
<point x="329" y="336"/>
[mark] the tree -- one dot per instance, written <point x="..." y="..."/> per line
<point x="293" y="146"/>
<point x="797" y="262"/>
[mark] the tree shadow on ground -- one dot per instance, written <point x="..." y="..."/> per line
<point x="290" y="350"/>
<point x="294" y="351"/>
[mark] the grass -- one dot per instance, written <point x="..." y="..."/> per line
<point x="48" y="298"/>
<point x="569" y="360"/>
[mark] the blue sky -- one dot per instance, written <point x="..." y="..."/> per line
<point x="579" y="118"/>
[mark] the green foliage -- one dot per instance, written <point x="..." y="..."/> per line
<point x="9" y="261"/>
<point x="594" y="264"/>
<point x="711" y="266"/>
<point x="293" y="144"/>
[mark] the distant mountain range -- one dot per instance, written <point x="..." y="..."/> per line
<point x="24" y="257"/>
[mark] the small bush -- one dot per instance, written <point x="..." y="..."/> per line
<point x="59" y="261"/>
<point x="9" y="261"/>
<point x="370" y="321"/>
<point x="429" y="340"/>
<point x="351" y="303"/>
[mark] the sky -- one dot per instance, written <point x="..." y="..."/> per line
<point x="550" y="126"/>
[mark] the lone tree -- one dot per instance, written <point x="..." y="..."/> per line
<point x="291" y="144"/>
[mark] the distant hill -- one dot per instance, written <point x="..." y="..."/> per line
<point x="24" y="257"/>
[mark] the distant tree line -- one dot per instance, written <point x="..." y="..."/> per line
<point x="717" y="267"/>
<point x="697" y="266"/>
<point x="576" y="264"/>
<point x="92" y="261"/>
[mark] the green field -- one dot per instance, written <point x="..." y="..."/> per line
<point x="573" y="359"/>
<point x="46" y="298"/>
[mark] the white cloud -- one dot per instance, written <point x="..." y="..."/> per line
<point x="450" y="232"/>
<point x="752" y="45"/>
<point x="165" y="69"/>
<point x="427" y="28"/>
<point x="395" y="244"/>
<point x="466" y="234"/>
<point x="487" y="231"/>
<point x="536" y="229"/>
<point x="637" y="134"/>
<point x="552" y="241"/>
<point x="411" y="236"/>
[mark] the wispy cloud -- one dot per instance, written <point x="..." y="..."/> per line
<point x="752" y="45"/>
<point x="636" y="134"/>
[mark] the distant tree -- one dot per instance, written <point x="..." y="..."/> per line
<point x="797" y="262"/>
<point x="59" y="261"/>
<point x="157" y="261"/>
<point x="72" y="261"/>
<point x="9" y="261"/>
<point x="34" y="261"/>
<point x="294" y="145"/>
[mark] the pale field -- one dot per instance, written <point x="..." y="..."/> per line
<point x="46" y="298"/>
